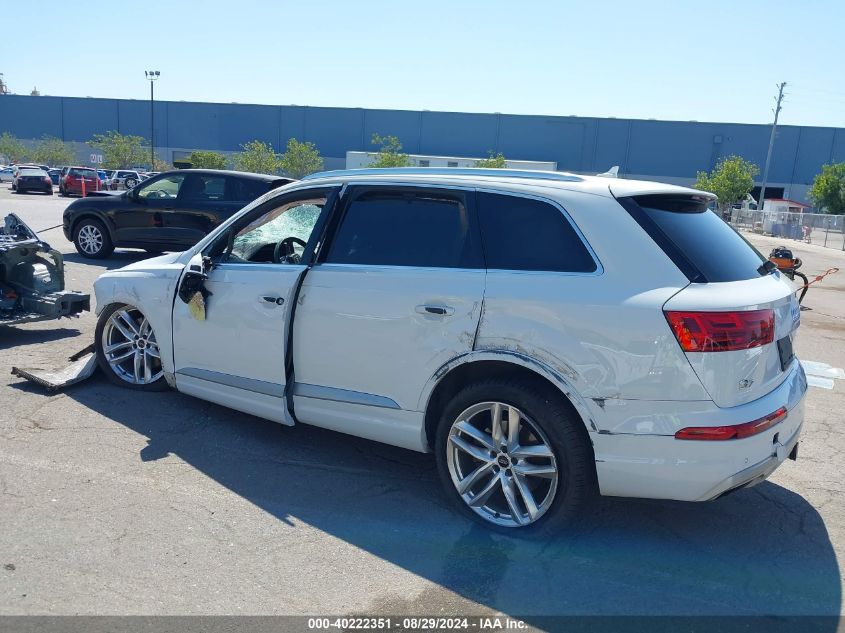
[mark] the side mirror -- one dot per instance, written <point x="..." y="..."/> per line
<point x="191" y="282"/>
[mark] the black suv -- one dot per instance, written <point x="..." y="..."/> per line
<point x="169" y="212"/>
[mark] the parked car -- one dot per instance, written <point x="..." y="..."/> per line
<point x="546" y="336"/>
<point x="70" y="183"/>
<point x="32" y="282"/>
<point x="172" y="211"/>
<point x="103" y="178"/>
<point x="17" y="168"/>
<point x="33" y="179"/>
<point x="7" y="174"/>
<point x="123" y="179"/>
<point x="55" y="175"/>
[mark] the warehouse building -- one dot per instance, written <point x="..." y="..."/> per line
<point x="668" y="151"/>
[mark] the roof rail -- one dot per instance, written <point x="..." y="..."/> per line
<point x="449" y="171"/>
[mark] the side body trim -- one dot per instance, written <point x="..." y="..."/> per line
<point x="342" y="395"/>
<point x="239" y="382"/>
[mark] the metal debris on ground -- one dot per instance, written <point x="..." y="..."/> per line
<point x="83" y="365"/>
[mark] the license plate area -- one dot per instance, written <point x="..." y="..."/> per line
<point x="785" y="351"/>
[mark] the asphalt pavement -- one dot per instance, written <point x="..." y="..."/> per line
<point x="114" y="502"/>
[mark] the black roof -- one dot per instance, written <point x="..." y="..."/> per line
<point x="229" y="172"/>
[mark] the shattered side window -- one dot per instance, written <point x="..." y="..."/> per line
<point x="257" y="241"/>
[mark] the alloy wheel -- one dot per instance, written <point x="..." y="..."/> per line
<point x="502" y="464"/>
<point x="90" y="239"/>
<point x="130" y="347"/>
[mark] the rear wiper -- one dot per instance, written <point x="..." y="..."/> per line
<point x="767" y="268"/>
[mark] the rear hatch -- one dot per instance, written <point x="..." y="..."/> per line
<point x="736" y="320"/>
<point x="75" y="177"/>
<point x="32" y="177"/>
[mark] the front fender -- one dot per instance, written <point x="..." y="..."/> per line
<point x="152" y="292"/>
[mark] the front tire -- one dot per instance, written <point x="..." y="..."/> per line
<point x="92" y="240"/>
<point x="127" y="349"/>
<point x="512" y="455"/>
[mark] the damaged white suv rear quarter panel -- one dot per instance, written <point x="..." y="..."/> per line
<point x="604" y="331"/>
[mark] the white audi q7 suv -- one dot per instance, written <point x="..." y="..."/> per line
<point x="547" y="336"/>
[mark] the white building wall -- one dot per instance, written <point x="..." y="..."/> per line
<point x="357" y="160"/>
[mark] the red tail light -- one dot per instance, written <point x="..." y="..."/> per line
<point x="722" y="331"/>
<point x="736" y="432"/>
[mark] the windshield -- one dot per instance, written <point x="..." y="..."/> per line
<point x="87" y="173"/>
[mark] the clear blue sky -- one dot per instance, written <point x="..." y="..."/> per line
<point x="715" y="60"/>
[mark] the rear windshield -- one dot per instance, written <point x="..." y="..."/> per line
<point x="87" y="173"/>
<point x="32" y="172"/>
<point x="701" y="244"/>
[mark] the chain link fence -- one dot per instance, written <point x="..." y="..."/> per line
<point x="821" y="229"/>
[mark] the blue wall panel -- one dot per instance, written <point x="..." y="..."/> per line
<point x="334" y="130"/>
<point x="239" y="124"/>
<point x="83" y="118"/>
<point x="670" y="148"/>
<point x="400" y="123"/>
<point x="31" y="117"/>
<point x="610" y="140"/>
<point x="292" y="124"/>
<point x="458" y="134"/>
<point x="813" y="150"/>
<point x="559" y="139"/>
<point x="647" y="148"/>
<point x="193" y="125"/>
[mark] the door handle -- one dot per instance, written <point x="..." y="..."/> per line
<point x="277" y="300"/>
<point x="436" y="310"/>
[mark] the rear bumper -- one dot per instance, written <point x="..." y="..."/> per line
<point x="662" y="467"/>
<point x="757" y="473"/>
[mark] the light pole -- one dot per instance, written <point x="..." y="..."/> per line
<point x="151" y="76"/>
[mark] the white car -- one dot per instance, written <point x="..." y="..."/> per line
<point x="7" y="174"/>
<point x="122" y="179"/>
<point x="545" y="335"/>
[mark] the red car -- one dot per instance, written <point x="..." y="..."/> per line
<point x="70" y="182"/>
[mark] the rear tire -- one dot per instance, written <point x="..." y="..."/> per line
<point x="92" y="240"/>
<point x="124" y="342"/>
<point x="526" y="498"/>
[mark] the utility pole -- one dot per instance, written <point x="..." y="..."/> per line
<point x="152" y="75"/>
<point x="781" y="86"/>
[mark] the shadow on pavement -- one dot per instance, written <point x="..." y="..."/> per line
<point x="763" y="550"/>
<point x="15" y="336"/>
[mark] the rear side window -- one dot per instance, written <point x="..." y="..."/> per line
<point x="246" y="190"/>
<point x="525" y="234"/>
<point x="702" y="245"/>
<point x="401" y="227"/>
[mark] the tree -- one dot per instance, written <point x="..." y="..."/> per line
<point x="121" y="151"/>
<point x="731" y="180"/>
<point x="828" y="190"/>
<point x="207" y="160"/>
<point x="54" y="151"/>
<point x="161" y="165"/>
<point x="257" y="156"/>
<point x="493" y="161"/>
<point x="13" y="149"/>
<point x="390" y="154"/>
<point x="300" y="159"/>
